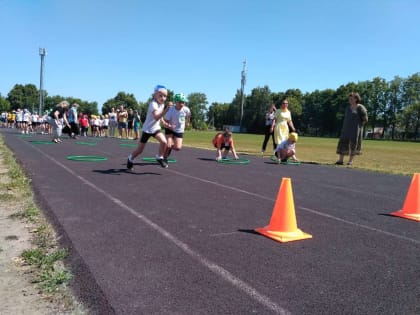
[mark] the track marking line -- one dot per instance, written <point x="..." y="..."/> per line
<point x="360" y="225"/>
<point x="213" y="267"/>
<point x="303" y="208"/>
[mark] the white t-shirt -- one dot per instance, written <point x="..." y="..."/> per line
<point x="26" y="117"/>
<point x="151" y="125"/>
<point x="112" y="118"/>
<point x="19" y="116"/>
<point x="35" y="118"/>
<point x="285" y="145"/>
<point x="178" y="118"/>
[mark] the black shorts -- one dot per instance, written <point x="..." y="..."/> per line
<point x="145" y="136"/>
<point x="226" y="147"/>
<point x="175" y="134"/>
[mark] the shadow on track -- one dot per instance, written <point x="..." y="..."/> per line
<point x="120" y="171"/>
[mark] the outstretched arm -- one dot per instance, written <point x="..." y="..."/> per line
<point x="219" y="154"/>
<point x="234" y="152"/>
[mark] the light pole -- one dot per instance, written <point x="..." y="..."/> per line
<point x="243" y="81"/>
<point x="42" y="53"/>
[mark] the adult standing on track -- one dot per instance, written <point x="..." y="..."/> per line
<point x="122" y="116"/>
<point x="151" y="127"/>
<point x="268" y="131"/>
<point x="73" y="120"/>
<point x="130" y="121"/>
<point x="57" y="118"/>
<point x="113" y="123"/>
<point x="281" y="123"/>
<point x="136" y="125"/>
<point x="355" y="117"/>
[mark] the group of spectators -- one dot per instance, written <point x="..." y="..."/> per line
<point x="279" y="126"/>
<point x="65" y="118"/>
<point x="25" y="121"/>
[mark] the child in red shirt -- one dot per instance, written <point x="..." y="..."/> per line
<point x="84" y="125"/>
<point x="224" y="141"/>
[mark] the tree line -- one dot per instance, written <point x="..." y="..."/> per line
<point x="393" y="107"/>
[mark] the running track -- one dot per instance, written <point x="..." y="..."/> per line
<point x="181" y="240"/>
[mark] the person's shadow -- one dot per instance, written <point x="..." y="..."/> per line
<point x="207" y="159"/>
<point x="119" y="171"/>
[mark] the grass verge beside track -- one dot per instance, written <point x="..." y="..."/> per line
<point x="40" y="260"/>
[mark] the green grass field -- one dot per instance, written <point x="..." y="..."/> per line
<point x="379" y="156"/>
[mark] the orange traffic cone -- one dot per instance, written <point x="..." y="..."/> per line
<point x="282" y="226"/>
<point x="411" y="208"/>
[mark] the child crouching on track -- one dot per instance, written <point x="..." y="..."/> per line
<point x="224" y="141"/>
<point x="287" y="148"/>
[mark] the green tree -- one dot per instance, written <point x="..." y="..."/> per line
<point x="374" y="97"/>
<point x="23" y="96"/>
<point x="255" y="107"/>
<point x="234" y="111"/>
<point x="122" y="98"/>
<point x="411" y="100"/>
<point x="410" y="121"/>
<point x="394" y="106"/>
<point x="317" y="106"/>
<point x="217" y="115"/>
<point x="4" y="104"/>
<point x="85" y="107"/>
<point x="197" y="103"/>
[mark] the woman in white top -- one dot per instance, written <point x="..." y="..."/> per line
<point x="112" y="122"/>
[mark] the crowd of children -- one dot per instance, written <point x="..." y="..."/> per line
<point x="79" y="124"/>
<point x="25" y="122"/>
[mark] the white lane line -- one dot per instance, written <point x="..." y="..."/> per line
<point x="213" y="267"/>
<point x="361" y="225"/>
<point x="303" y="208"/>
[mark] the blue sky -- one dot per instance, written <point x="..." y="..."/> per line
<point x="96" y="48"/>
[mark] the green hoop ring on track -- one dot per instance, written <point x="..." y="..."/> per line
<point x="152" y="159"/>
<point x="41" y="142"/>
<point x="85" y="143"/>
<point x="274" y="159"/>
<point x="131" y="145"/>
<point x="233" y="161"/>
<point x="86" y="158"/>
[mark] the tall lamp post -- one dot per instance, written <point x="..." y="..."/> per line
<point x="42" y="53"/>
<point x="243" y="81"/>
